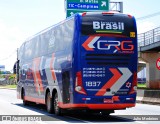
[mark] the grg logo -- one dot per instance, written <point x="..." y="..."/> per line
<point x="107" y="45"/>
<point x="116" y="46"/>
<point x="119" y="46"/>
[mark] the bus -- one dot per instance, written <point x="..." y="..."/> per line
<point x="87" y="62"/>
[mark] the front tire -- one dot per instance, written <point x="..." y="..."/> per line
<point x="25" y="103"/>
<point x="57" y="109"/>
<point x="49" y="103"/>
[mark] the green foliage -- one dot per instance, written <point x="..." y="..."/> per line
<point x="9" y="86"/>
<point x="12" y="76"/>
<point x="141" y="85"/>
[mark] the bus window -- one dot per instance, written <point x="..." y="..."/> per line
<point x="44" y="43"/>
<point x="36" y="47"/>
<point x="21" y="52"/>
<point x="29" y="51"/>
<point x="59" y="39"/>
<point x="51" y="41"/>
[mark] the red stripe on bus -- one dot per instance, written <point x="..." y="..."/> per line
<point x="97" y="106"/>
<point x="51" y="67"/>
<point x="36" y="100"/>
<point x="36" y="74"/>
<point x="39" y="75"/>
<point x="109" y="84"/>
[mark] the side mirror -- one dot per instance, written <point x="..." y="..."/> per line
<point x="16" y="67"/>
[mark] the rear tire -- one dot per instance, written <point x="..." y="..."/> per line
<point x="57" y="109"/>
<point x="49" y="103"/>
<point x="107" y="112"/>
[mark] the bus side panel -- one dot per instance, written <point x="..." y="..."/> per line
<point x="46" y="62"/>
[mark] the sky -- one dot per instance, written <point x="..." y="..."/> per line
<point x="20" y="19"/>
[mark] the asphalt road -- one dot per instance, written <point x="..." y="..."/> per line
<point x="11" y="107"/>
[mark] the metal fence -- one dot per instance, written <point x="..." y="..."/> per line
<point x="149" y="37"/>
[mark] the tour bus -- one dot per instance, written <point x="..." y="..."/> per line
<point x="87" y="62"/>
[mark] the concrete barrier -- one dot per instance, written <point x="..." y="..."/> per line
<point x="140" y="95"/>
<point x="148" y="96"/>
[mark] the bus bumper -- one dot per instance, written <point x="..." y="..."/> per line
<point x="97" y="106"/>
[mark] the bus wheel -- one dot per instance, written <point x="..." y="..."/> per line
<point x="49" y="103"/>
<point x="57" y="110"/>
<point x="24" y="101"/>
<point x="107" y="113"/>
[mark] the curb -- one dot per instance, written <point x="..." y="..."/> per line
<point x="8" y="88"/>
<point x="148" y="100"/>
<point x="148" y="96"/>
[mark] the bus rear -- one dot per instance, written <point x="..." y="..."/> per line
<point x="106" y="75"/>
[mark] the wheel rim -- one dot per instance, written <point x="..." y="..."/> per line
<point x="48" y="102"/>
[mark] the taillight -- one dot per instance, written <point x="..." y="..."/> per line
<point x="130" y="16"/>
<point x="84" y="13"/>
<point x="109" y="13"/>
<point x="134" y="83"/>
<point x="79" y="84"/>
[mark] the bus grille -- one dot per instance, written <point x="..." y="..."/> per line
<point x="108" y="59"/>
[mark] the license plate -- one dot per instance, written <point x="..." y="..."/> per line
<point x="107" y="100"/>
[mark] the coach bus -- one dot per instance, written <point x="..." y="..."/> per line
<point x="86" y="62"/>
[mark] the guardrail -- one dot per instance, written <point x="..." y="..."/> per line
<point x="149" y="37"/>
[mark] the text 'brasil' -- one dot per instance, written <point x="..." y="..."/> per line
<point x="100" y="25"/>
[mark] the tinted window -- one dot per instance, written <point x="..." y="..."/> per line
<point x="107" y="24"/>
<point x="21" y="52"/>
<point x="29" y="50"/>
<point x="44" y="43"/>
<point x="55" y="39"/>
<point x="50" y="36"/>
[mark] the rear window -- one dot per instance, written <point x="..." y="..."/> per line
<point x="108" y="24"/>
